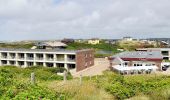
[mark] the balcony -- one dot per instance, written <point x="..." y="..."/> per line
<point x="4" y="57"/>
<point x="21" y="56"/>
<point x="12" y="57"/>
<point x="60" y="57"/>
<point x="39" y="57"/>
<point x="50" y="57"/>
<point x="71" y="58"/>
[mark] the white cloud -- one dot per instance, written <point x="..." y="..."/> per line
<point x="45" y="19"/>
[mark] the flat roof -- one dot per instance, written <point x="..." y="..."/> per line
<point x="42" y="50"/>
<point x="139" y="54"/>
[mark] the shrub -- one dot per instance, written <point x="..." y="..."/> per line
<point x="125" y="87"/>
<point x="35" y="93"/>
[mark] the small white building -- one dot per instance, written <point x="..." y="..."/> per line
<point x="94" y="41"/>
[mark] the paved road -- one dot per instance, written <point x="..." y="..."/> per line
<point x="101" y="64"/>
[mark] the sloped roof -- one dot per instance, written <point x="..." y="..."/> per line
<point x="139" y="54"/>
<point x="52" y="44"/>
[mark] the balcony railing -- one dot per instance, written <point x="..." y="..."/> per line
<point x="30" y="58"/>
<point x="21" y="58"/>
<point x="12" y="57"/>
<point x="60" y="59"/>
<point x="39" y="58"/>
<point x="50" y="59"/>
<point x="71" y="60"/>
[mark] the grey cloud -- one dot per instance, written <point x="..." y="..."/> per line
<point x="30" y="19"/>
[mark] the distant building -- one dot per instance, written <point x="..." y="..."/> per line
<point x="138" y="61"/>
<point x="80" y="40"/>
<point x="127" y="38"/>
<point x="51" y="45"/>
<point x="71" y="60"/>
<point x="111" y="41"/>
<point x="163" y="42"/>
<point x="67" y="41"/>
<point x="94" y="41"/>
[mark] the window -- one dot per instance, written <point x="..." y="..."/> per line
<point x="139" y="64"/>
<point x="126" y="63"/>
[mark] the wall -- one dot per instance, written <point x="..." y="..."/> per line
<point x="84" y="59"/>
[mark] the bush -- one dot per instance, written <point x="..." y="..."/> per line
<point x="35" y="93"/>
<point x="125" y="87"/>
<point x="13" y="88"/>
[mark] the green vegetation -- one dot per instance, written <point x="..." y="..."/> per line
<point x="132" y="45"/>
<point x="15" y="83"/>
<point x="123" y="87"/>
<point x="166" y="60"/>
<point x="17" y="45"/>
<point x="108" y="49"/>
<point x="101" y="46"/>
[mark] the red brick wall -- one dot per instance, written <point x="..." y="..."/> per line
<point x="84" y="59"/>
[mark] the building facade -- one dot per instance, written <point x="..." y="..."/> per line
<point x="71" y="60"/>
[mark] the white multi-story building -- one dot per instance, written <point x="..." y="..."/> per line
<point x="77" y="60"/>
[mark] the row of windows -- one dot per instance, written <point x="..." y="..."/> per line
<point x="145" y="64"/>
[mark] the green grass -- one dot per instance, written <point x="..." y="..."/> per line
<point x="18" y="45"/>
<point x="101" y="46"/>
<point x="98" y="47"/>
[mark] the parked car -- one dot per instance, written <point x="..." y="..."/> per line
<point x="165" y="67"/>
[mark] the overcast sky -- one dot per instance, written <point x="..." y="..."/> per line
<point x="55" y="19"/>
